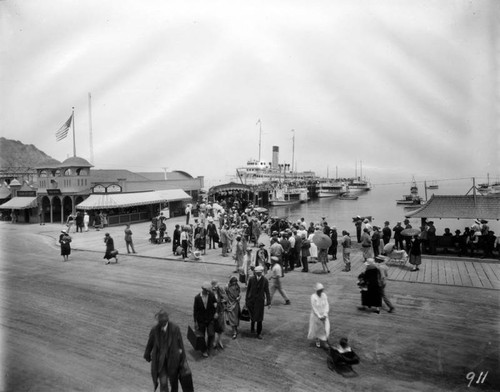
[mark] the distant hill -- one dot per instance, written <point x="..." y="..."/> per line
<point x="13" y="153"/>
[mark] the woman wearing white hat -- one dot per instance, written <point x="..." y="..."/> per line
<point x="319" y="324"/>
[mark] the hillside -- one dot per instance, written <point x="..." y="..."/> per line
<point x="13" y="153"/>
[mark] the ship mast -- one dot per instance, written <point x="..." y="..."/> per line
<point x="293" y="148"/>
<point x="260" y="136"/>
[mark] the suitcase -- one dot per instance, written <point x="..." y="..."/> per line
<point x="196" y="340"/>
<point x="186" y="378"/>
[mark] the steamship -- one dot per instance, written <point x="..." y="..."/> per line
<point x="258" y="172"/>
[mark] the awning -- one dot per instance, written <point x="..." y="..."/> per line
<point x="230" y="187"/>
<point x="120" y="200"/>
<point x="174" y="194"/>
<point x="459" y="207"/>
<point x="19" y="203"/>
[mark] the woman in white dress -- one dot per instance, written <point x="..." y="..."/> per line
<point x="313" y="250"/>
<point x="319" y="324"/>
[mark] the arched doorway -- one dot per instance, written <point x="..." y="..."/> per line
<point x="45" y="206"/>
<point x="56" y="209"/>
<point x="78" y="200"/>
<point x="67" y="207"/>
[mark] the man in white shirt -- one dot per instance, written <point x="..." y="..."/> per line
<point x="275" y="280"/>
<point x="384" y="272"/>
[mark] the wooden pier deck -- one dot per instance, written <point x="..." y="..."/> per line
<point x="441" y="270"/>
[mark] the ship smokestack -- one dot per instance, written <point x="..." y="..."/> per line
<point x="276" y="153"/>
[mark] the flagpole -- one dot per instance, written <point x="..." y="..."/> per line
<point x="74" y="141"/>
<point x="260" y="136"/>
<point x="90" y="132"/>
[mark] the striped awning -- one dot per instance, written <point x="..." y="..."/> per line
<point x="19" y="203"/>
<point x="121" y="200"/>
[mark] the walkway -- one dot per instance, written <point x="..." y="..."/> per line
<point x="442" y="270"/>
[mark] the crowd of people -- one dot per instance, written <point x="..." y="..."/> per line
<point x="264" y="249"/>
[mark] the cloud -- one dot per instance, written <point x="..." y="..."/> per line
<point x="406" y="89"/>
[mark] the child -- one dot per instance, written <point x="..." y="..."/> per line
<point x="153" y="233"/>
<point x="342" y="357"/>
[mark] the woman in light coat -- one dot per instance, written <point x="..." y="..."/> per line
<point x="319" y="324"/>
<point x="232" y="311"/>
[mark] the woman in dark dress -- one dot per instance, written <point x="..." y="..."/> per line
<point x="333" y="248"/>
<point x="220" y="296"/>
<point x="110" y="249"/>
<point x="64" y="240"/>
<point x="370" y="283"/>
<point x="415" y="252"/>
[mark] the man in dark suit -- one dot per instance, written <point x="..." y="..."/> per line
<point x="165" y="351"/>
<point x="257" y="297"/>
<point x="176" y="240"/>
<point x="205" y="313"/>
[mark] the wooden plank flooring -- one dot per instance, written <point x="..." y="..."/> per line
<point x="445" y="271"/>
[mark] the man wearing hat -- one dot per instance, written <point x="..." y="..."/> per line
<point x="431" y="237"/>
<point x="262" y="257"/>
<point x="375" y="238"/>
<point x="257" y="296"/>
<point x="384" y="273"/>
<point x="398" y="237"/>
<point x="277" y="250"/>
<point x="358" y="222"/>
<point x="205" y="313"/>
<point x="275" y="280"/>
<point x="213" y="236"/>
<point x="165" y="352"/>
<point x="386" y="233"/>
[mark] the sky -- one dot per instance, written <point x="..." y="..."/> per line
<point x="408" y="88"/>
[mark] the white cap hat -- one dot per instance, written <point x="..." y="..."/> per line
<point x="319" y="286"/>
<point x="259" y="268"/>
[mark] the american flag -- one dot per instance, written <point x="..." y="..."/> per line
<point x="63" y="131"/>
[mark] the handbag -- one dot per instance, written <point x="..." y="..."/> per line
<point x="244" y="314"/>
<point x="113" y="253"/>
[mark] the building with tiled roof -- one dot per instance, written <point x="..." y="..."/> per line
<point x="459" y="207"/>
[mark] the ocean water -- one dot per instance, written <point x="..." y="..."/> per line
<point x="380" y="204"/>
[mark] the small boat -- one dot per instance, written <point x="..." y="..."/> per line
<point x="348" y="196"/>
<point x="433" y="186"/>
<point x="413" y="198"/>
